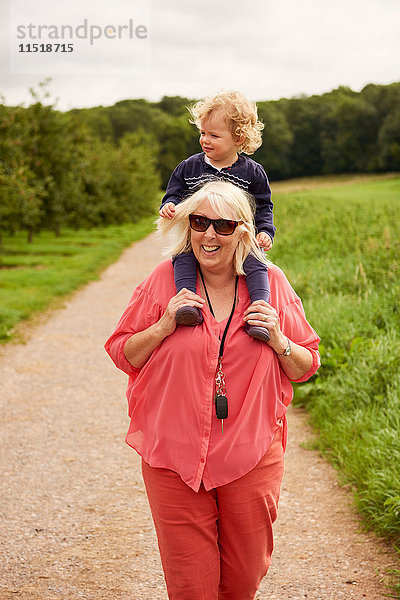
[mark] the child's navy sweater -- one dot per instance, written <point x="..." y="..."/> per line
<point x="245" y="173"/>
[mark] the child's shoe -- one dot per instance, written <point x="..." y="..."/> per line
<point x="259" y="333"/>
<point x="189" y="315"/>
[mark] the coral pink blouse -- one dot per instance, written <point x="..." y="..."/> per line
<point x="171" y="407"/>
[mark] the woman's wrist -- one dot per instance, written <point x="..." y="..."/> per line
<point x="140" y="345"/>
<point x="295" y="360"/>
<point x="163" y="327"/>
<point x="280" y="345"/>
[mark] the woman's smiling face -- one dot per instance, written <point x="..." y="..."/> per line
<point x="214" y="252"/>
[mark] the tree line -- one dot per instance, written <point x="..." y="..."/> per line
<point x="104" y="165"/>
<point x="55" y="172"/>
<point x="341" y="131"/>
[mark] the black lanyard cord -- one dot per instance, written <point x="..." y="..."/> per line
<point x="221" y="348"/>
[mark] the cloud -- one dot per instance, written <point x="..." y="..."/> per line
<point x="266" y="48"/>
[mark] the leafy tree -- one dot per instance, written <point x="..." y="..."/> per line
<point x="304" y="118"/>
<point x="21" y="193"/>
<point x="349" y="132"/>
<point x="98" y="206"/>
<point x="386" y="100"/>
<point x="47" y="151"/>
<point x="277" y="139"/>
<point x="133" y="115"/>
<point x="389" y="141"/>
<point x="139" y="182"/>
<point x="176" y="137"/>
<point x="97" y="121"/>
<point x="20" y="200"/>
<point x="174" y="106"/>
<point x="120" y="183"/>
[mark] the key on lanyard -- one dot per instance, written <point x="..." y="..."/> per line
<point x="220" y="399"/>
<point x="221" y="409"/>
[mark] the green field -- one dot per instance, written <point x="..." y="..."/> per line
<point x="340" y="248"/>
<point x="35" y="276"/>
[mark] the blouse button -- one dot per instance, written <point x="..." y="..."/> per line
<point x="202" y="460"/>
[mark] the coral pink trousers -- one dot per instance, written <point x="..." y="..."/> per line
<point x="216" y="544"/>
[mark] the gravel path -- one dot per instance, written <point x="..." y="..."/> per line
<point x="75" y="520"/>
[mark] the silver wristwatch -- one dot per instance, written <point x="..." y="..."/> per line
<point x="287" y="350"/>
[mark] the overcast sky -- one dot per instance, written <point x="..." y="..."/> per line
<point x="268" y="49"/>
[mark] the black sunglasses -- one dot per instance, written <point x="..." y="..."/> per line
<point x="221" y="226"/>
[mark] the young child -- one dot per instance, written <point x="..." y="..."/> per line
<point x="228" y="126"/>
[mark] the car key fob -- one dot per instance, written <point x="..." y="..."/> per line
<point x="221" y="407"/>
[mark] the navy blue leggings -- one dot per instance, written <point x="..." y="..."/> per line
<point x="185" y="274"/>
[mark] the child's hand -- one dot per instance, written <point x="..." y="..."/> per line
<point x="168" y="210"/>
<point x="264" y="241"/>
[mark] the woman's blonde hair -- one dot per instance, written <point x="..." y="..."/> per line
<point x="240" y="114"/>
<point x="230" y="202"/>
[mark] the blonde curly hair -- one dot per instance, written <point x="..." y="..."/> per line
<point x="240" y="114"/>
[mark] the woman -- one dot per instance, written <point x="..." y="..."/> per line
<point x="208" y="403"/>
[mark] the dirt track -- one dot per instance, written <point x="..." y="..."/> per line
<point x="75" y="520"/>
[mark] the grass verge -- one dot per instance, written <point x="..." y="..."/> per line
<point x="33" y="276"/>
<point x="340" y="248"/>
